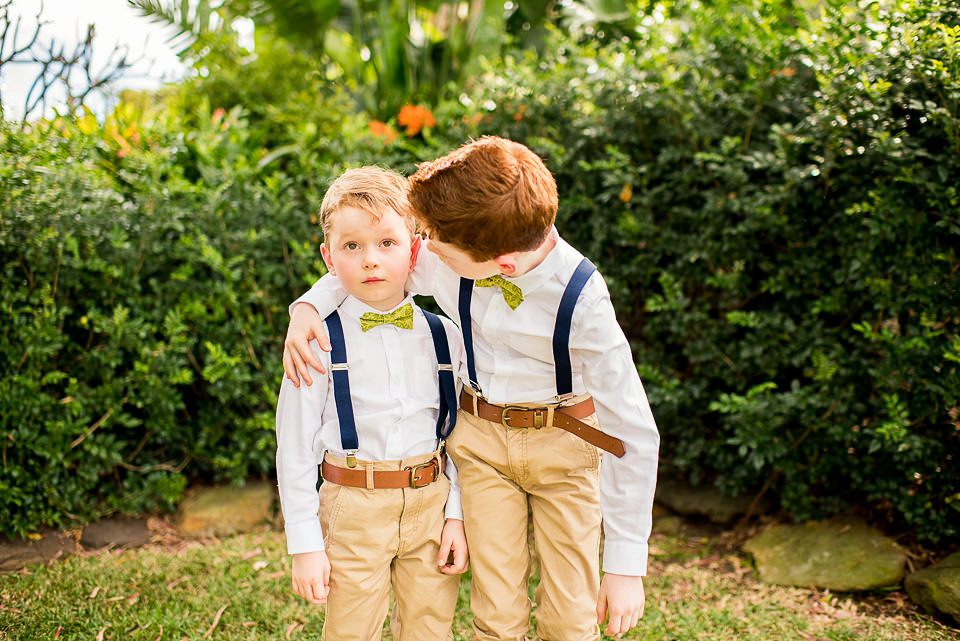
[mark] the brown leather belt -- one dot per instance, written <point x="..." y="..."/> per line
<point x="415" y="476"/>
<point x="566" y="417"/>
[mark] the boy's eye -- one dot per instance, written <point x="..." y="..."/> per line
<point x="351" y="246"/>
<point x="388" y="243"/>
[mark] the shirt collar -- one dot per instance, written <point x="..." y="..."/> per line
<point x="354" y="308"/>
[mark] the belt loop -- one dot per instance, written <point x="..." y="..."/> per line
<point x="550" y="410"/>
<point x="369" y="469"/>
<point x="476" y="401"/>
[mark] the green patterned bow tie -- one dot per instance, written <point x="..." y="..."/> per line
<point x="512" y="293"/>
<point x="402" y="317"/>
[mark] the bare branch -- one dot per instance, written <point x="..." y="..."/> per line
<point x="15" y="50"/>
<point x="72" y="72"/>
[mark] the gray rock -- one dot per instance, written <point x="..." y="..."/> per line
<point x="119" y="532"/>
<point x="841" y="555"/>
<point x="705" y="500"/>
<point x="937" y="588"/>
<point x="222" y="511"/>
<point x="669" y="524"/>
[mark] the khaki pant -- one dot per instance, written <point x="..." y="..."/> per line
<point x="376" y="539"/>
<point x="503" y="471"/>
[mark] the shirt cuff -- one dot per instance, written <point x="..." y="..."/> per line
<point x="454" y="509"/>
<point x="306" y="536"/>
<point x="621" y="557"/>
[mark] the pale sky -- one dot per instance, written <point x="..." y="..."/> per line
<point x="116" y="23"/>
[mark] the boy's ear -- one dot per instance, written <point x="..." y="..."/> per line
<point x="507" y="263"/>
<point x="415" y="250"/>
<point x="327" y="258"/>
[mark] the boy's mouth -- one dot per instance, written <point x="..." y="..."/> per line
<point x="372" y="281"/>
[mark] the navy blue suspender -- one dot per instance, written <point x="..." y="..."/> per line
<point x="561" y="330"/>
<point x="341" y="384"/>
<point x="341" y="381"/>
<point x="448" y="387"/>
<point x="466" y="329"/>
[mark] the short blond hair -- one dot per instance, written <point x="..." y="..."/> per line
<point x="371" y="189"/>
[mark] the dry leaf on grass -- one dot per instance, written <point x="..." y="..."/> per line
<point x="216" y="621"/>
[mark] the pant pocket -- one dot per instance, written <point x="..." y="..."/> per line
<point x="331" y="504"/>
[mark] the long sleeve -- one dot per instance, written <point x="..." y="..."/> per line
<point x="299" y="416"/>
<point x="454" y="507"/>
<point x="627" y="484"/>
<point x="325" y="295"/>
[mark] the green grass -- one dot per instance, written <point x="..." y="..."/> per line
<point x="238" y="589"/>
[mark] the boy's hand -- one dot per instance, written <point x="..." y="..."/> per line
<point x="621" y="597"/>
<point x="453" y="542"/>
<point x="305" y="324"/>
<point x="311" y="576"/>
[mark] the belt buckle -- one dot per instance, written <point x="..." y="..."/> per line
<point x="415" y="473"/>
<point x="505" y="417"/>
<point x="539" y="414"/>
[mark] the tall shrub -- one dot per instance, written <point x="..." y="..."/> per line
<point x="148" y="263"/>
<point x="140" y="315"/>
<point x="775" y="211"/>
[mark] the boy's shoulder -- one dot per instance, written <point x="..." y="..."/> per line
<point x="451" y="328"/>
<point x="564" y="261"/>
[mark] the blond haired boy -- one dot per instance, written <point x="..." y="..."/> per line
<point x="550" y="383"/>
<point x="388" y="512"/>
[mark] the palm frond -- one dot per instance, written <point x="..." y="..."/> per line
<point x="189" y="19"/>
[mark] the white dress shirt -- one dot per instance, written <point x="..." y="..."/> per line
<point x="395" y="392"/>
<point x="513" y="354"/>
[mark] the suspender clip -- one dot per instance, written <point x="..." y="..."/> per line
<point x="352" y="459"/>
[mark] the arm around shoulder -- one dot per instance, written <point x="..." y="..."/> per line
<point x="306" y="323"/>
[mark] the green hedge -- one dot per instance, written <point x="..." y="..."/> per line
<point x="147" y="269"/>
<point x="776" y="215"/>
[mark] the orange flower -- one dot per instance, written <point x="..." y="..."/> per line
<point x="383" y="131"/>
<point x="415" y="118"/>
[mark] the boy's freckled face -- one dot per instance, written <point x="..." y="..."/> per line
<point x="461" y="262"/>
<point x="372" y="258"/>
